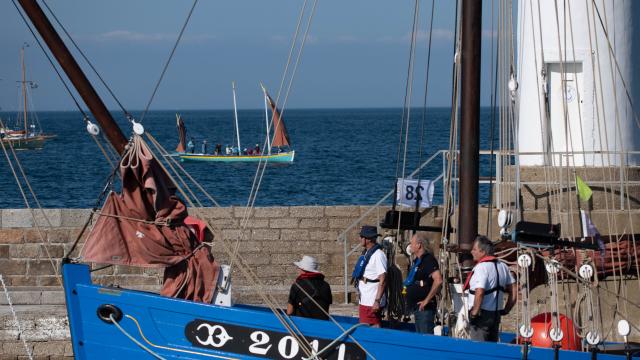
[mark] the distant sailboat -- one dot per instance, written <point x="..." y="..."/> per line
<point x="278" y="149"/>
<point x="27" y="134"/>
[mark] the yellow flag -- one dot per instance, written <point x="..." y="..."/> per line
<point x="584" y="191"/>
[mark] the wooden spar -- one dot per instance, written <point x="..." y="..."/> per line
<point x="75" y="74"/>
<point x="470" y="127"/>
<point x="235" y="115"/>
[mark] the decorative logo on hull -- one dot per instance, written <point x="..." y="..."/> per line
<point x="263" y="343"/>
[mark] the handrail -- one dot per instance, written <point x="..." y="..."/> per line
<point x="496" y="179"/>
<point x="342" y="235"/>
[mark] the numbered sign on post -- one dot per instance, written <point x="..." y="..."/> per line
<point x="411" y="190"/>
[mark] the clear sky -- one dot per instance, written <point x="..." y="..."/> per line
<point x="356" y="55"/>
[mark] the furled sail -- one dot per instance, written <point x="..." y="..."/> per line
<point x="280" y="135"/>
<point x="144" y="226"/>
<point x="182" y="134"/>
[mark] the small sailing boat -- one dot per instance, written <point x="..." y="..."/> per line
<point x="26" y="135"/>
<point x="277" y="149"/>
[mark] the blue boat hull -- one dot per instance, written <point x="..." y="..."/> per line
<point x="174" y="328"/>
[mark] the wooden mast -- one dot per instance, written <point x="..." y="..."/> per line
<point x="470" y="128"/>
<point x="75" y="74"/>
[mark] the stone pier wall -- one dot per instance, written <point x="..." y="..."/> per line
<point x="274" y="237"/>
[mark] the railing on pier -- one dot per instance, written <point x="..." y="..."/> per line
<point x="496" y="160"/>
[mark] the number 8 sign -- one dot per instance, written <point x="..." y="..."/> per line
<point x="411" y="190"/>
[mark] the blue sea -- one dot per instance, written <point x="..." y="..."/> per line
<point x="343" y="156"/>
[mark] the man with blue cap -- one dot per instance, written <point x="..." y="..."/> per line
<point x="369" y="277"/>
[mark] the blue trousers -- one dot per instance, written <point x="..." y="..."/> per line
<point x="425" y="321"/>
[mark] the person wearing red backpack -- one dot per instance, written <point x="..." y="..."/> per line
<point x="489" y="280"/>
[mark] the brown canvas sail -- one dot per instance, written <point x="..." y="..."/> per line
<point x="182" y="134"/>
<point x="144" y="226"/>
<point x="280" y="135"/>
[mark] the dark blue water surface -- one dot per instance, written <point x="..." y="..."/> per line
<point x="343" y="156"/>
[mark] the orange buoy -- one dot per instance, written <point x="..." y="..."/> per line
<point x="542" y="326"/>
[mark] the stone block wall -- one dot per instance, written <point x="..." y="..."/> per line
<point x="33" y="243"/>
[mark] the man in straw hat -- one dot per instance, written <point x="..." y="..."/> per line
<point x="310" y="296"/>
<point x="369" y="277"/>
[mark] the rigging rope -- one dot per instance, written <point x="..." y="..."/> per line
<point x="26" y="201"/>
<point x="85" y="117"/>
<point x="166" y="64"/>
<point x="15" y="319"/>
<point x="95" y="71"/>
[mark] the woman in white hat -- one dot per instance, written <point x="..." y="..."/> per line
<point x="310" y="296"/>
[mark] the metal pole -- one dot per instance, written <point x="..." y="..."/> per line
<point x="75" y="74"/>
<point x="470" y="127"/>
<point x="24" y="93"/>
<point x="346" y="274"/>
<point x="235" y="114"/>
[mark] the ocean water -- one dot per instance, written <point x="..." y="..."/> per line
<point x="343" y="156"/>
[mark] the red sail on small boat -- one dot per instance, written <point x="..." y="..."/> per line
<point x="280" y="134"/>
<point x="182" y="134"/>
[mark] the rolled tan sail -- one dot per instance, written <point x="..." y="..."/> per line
<point x="144" y="226"/>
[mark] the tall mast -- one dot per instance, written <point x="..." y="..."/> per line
<point x="470" y="128"/>
<point x="75" y="74"/>
<point x="24" y="92"/>
<point x="235" y="114"/>
<point x="266" y="119"/>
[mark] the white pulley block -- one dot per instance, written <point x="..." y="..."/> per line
<point x="504" y="218"/>
<point x="556" y="334"/>
<point x="623" y="328"/>
<point x="92" y="128"/>
<point x="526" y="331"/>
<point x="524" y="260"/>
<point x="586" y="271"/>
<point x="138" y="128"/>
<point x="513" y="83"/>
<point x="552" y="267"/>
<point x="593" y="338"/>
<point x="456" y="57"/>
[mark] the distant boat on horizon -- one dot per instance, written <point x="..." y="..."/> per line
<point x="278" y="148"/>
<point x="27" y="134"/>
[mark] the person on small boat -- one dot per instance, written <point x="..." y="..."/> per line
<point x="227" y="150"/>
<point x="423" y="284"/>
<point x="256" y="150"/>
<point x="369" y="277"/>
<point x="218" y="150"/>
<point x="489" y="280"/>
<point x="235" y="150"/>
<point x="191" y="147"/>
<point x="204" y="146"/>
<point x="310" y="295"/>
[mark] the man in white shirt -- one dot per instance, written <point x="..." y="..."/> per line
<point x="371" y="282"/>
<point x="488" y="282"/>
